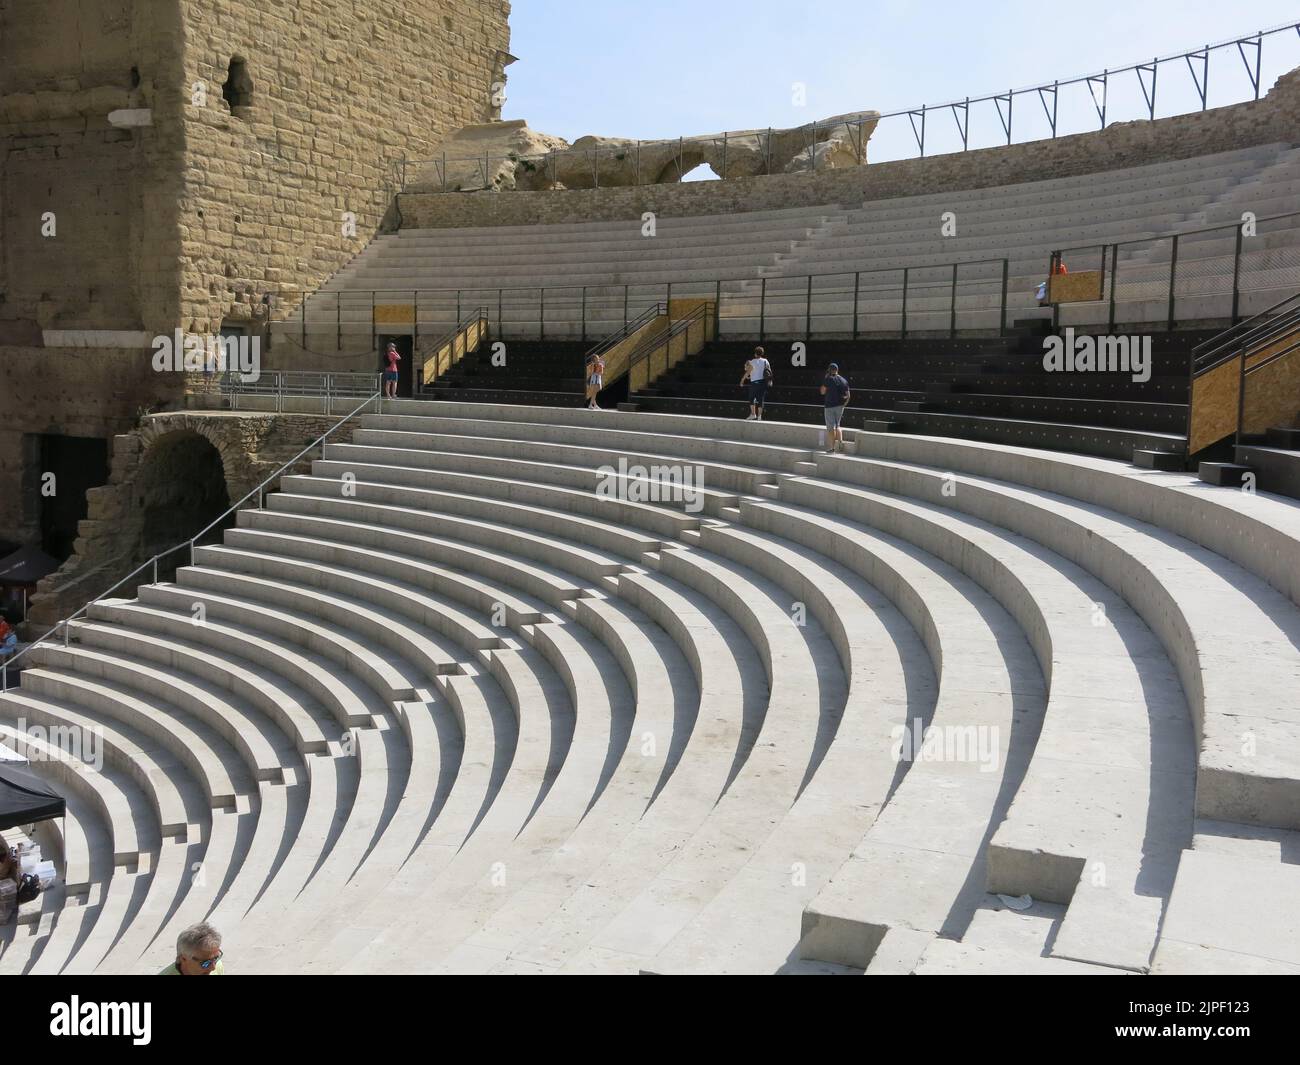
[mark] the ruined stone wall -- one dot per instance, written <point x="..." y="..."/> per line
<point x="111" y="541"/>
<point x="340" y="91"/>
<point x="88" y="236"/>
<point x="188" y="221"/>
<point x="1274" y="118"/>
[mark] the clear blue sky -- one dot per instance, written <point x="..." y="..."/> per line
<point x="664" y="68"/>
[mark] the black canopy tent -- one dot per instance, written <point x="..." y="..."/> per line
<point x="26" y="798"/>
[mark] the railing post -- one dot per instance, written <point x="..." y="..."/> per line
<point x="501" y="322"/>
<point x="373" y="338"/>
<point x="857" y="287"/>
<point x="541" y="313"/>
<point x="762" y="312"/>
<point x="807" y="314"/>
<point x="625" y="292"/>
<point x="302" y="311"/>
<point x="338" y="323"/>
<point x="952" y="304"/>
<point x="155" y="569"/>
<point x="903" y="330"/>
<point x="584" y="314"/>
<point x="1006" y="280"/>
<point x="1114" y="278"/>
<point x="1236" y="275"/>
<point x="717" y="309"/>
<point x="1173" y="275"/>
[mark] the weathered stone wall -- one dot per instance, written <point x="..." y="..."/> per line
<point x="1274" y="118"/>
<point x="111" y="541"/>
<point x="108" y="258"/>
<point x="340" y="91"/>
<point x="70" y="392"/>
<point x="189" y="221"/>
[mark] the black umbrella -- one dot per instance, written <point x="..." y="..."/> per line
<point x="25" y="797"/>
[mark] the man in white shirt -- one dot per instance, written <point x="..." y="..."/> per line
<point x="758" y="375"/>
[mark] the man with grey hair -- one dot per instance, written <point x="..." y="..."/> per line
<point x="198" y="952"/>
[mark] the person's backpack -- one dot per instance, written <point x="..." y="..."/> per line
<point x="29" y="886"/>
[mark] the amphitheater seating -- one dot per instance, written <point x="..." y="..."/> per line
<point x="475" y="694"/>
<point x="735" y="254"/>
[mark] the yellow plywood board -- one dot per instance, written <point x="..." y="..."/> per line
<point x="1214" y="405"/>
<point x="1083" y="287"/>
<point x="394" y="314"/>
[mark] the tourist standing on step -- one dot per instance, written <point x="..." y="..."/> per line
<point x="835" y="397"/>
<point x="758" y="375"/>
<point x="390" y="372"/>
<point x="595" y="380"/>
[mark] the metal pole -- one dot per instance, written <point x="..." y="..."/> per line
<point x="415" y="324"/>
<point x="807" y="317"/>
<point x="373" y="337"/>
<point x="1114" y="277"/>
<point x="903" y="331"/>
<point x="1173" y="274"/>
<point x="1236" y="275"/>
<point x="857" y="285"/>
<point x="952" y="305"/>
<point x="302" y="310"/>
<point x="584" y="314"/>
<point x="541" y="313"/>
<point x="762" y="312"/>
<point x="717" y="309"/>
<point x="724" y="156"/>
<point x="338" y="322"/>
<point x="625" y="289"/>
<point x="1002" y="321"/>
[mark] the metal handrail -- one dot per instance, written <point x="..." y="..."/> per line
<point x="1178" y="233"/>
<point x="480" y="314"/>
<point x="1212" y="353"/>
<point x="655" y="310"/>
<point x="190" y="543"/>
<point x="650" y="345"/>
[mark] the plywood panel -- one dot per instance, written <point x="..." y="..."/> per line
<point x="1214" y="405"/>
<point x="1083" y="287"/>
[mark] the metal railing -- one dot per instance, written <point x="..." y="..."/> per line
<point x="1249" y="48"/>
<point x="1239" y="342"/>
<point x="940" y="299"/>
<point x="1148" y="278"/>
<point x="645" y="352"/>
<point x="655" y="310"/>
<point x="258" y="492"/>
<point x="447" y="343"/>
<point x="1098" y="86"/>
<point x="280" y="385"/>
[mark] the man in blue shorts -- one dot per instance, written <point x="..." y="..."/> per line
<point x="835" y="397"/>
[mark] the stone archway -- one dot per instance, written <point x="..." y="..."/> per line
<point x="180" y="488"/>
<point x="691" y="157"/>
<point x="168" y="480"/>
